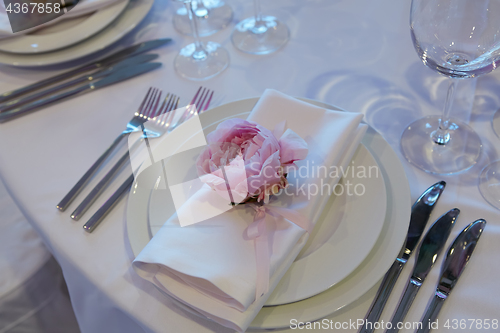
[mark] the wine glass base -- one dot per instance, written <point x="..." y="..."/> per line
<point x="190" y="65"/>
<point x="459" y="154"/>
<point x="218" y="17"/>
<point x="263" y="38"/>
<point x="496" y="123"/>
<point x="489" y="184"/>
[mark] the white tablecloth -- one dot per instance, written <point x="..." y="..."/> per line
<point x="354" y="54"/>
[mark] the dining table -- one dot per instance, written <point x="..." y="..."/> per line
<point x="356" y="55"/>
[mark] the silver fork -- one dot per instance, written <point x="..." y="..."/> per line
<point x="155" y="111"/>
<point x="134" y="125"/>
<point x="163" y="125"/>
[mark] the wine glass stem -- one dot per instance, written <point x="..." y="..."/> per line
<point x="199" y="53"/>
<point x="260" y="26"/>
<point x="201" y="9"/>
<point x="441" y="136"/>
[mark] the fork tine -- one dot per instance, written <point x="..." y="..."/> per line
<point x="144" y="101"/>
<point x="166" y="109"/>
<point x="170" y="115"/>
<point x="176" y="103"/>
<point x="201" y="101"/>
<point x="170" y="103"/>
<point x="149" y="106"/>
<point x="161" y="109"/>
<point x="153" y="111"/>
<point x="208" y="102"/>
<point x="146" y="107"/>
<point x="195" y="96"/>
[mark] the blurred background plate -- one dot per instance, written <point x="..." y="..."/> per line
<point x="133" y="14"/>
<point x="64" y="33"/>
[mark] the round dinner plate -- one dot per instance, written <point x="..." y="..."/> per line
<point x="342" y="228"/>
<point x="359" y="281"/>
<point x="65" y="33"/>
<point x="132" y="15"/>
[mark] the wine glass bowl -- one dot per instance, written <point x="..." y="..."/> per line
<point x="459" y="39"/>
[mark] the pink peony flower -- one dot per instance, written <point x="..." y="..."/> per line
<point x="244" y="160"/>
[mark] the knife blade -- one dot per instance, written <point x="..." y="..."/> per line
<point x="428" y="252"/>
<point x="121" y="75"/>
<point x="113" y="58"/>
<point x="138" y="59"/>
<point x="420" y="213"/>
<point x="457" y="258"/>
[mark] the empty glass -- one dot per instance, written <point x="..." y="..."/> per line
<point x="459" y="39"/>
<point x="213" y="16"/>
<point x="200" y="61"/>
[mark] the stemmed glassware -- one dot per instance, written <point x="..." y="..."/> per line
<point x="200" y="61"/>
<point x="260" y="34"/>
<point x="213" y="15"/>
<point x="459" y="39"/>
<point x="489" y="180"/>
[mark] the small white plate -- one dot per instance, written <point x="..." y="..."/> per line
<point x="65" y="33"/>
<point x="133" y="14"/>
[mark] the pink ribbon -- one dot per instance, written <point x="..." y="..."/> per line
<point x="258" y="232"/>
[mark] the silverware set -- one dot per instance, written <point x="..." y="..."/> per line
<point x="153" y="119"/>
<point x="457" y="257"/>
<point x="115" y="68"/>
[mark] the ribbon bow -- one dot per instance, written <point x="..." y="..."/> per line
<point x="258" y="232"/>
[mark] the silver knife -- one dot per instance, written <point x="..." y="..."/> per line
<point x="457" y="258"/>
<point x="138" y="59"/>
<point x="420" y="214"/>
<point x="119" y="76"/>
<point x="428" y="252"/>
<point x="111" y="59"/>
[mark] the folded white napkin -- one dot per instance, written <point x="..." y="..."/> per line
<point x="83" y="7"/>
<point x="210" y="266"/>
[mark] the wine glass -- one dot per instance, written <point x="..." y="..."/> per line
<point x="259" y="34"/>
<point x="489" y="180"/>
<point x="458" y="39"/>
<point x="213" y="16"/>
<point x="200" y="61"/>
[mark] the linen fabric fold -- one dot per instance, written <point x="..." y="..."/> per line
<point x="211" y="266"/>
<point x="82" y="8"/>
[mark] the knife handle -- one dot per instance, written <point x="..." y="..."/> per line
<point x="404" y="305"/>
<point x="44" y="83"/>
<point x="42" y="102"/>
<point x="431" y="313"/>
<point x="382" y="296"/>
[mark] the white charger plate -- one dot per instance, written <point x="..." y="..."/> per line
<point x="64" y="33"/>
<point x="342" y="228"/>
<point x="133" y="14"/>
<point x="364" y="277"/>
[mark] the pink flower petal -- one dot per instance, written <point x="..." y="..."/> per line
<point x="293" y="147"/>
